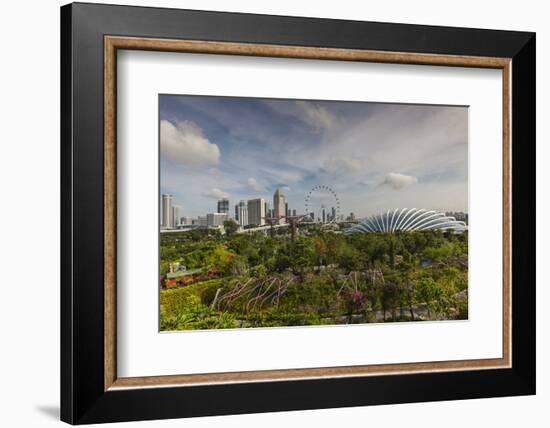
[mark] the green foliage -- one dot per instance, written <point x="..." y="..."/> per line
<point x="258" y="271"/>
<point x="441" y="252"/>
<point x="325" y="276"/>
<point x="301" y="254"/>
<point x="427" y="291"/>
<point x="235" y="265"/>
<point x="198" y="317"/>
<point x="230" y="227"/>
<point x="175" y="301"/>
<point x="462" y="308"/>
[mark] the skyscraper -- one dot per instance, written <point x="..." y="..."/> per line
<point x="166" y="211"/>
<point x="242" y="213"/>
<point x="223" y="206"/>
<point x="279" y="205"/>
<point x="256" y="212"/>
<point x="175" y="216"/>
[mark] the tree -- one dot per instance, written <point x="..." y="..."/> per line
<point x="427" y="291"/>
<point x="407" y="288"/>
<point x="282" y="262"/>
<point x="391" y="251"/>
<point x="321" y="250"/>
<point x="390" y="298"/>
<point x="230" y="227"/>
<point x="350" y="259"/>
<point x="267" y="248"/>
<point x="302" y="254"/>
<point x="440" y="252"/>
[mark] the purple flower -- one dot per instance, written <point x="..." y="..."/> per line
<point x="358" y="297"/>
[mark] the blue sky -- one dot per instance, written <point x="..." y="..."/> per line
<point x="375" y="156"/>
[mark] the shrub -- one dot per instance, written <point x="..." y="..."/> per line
<point x="198" y="317"/>
<point x="176" y="301"/>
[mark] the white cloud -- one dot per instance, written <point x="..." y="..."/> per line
<point x="341" y="166"/>
<point x="216" y="193"/>
<point x="315" y="115"/>
<point x="398" y="181"/>
<point x="254" y="185"/>
<point x="185" y="143"/>
<point x="282" y="175"/>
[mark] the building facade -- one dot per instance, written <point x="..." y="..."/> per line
<point x="256" y="212"/>
<point x="215" y="219"/>
<point x="279" y="205"/>
<point x="175" y="216"/>
<point x="223" y="206"/>
<point x="200" y="221"/>
<point x="242" y="213"/>
<point x="166" y="218"/>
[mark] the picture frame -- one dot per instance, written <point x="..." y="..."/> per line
<point x="91" y="35"/>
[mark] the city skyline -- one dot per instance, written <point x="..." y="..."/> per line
<point x="256" y="212"/>
<point x="375" y="156"/>
<point x="247" y="212"/>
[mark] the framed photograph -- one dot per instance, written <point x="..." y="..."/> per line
<point x="267" y="213"/>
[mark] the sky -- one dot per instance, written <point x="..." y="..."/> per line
<point x="375" y="156"/>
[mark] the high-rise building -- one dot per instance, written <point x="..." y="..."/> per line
<point x="175" y="216"/>
<point x="166" y="211"/>
<point x="287" y="211"/>
<point x="242" y="213"/>
<point x="223" y="206"/>
<point x="215" y="219"/>
<point x="186" y="220"/>
<point x="333" y="214"/>
<point x="256" y="212"/>
<point x="279" y="205"/>
<point x="294" y="213"/>
<point x="237" y="212"/>
<point x="266" y="209"/>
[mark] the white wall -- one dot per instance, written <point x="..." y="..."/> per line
<point x="29" y="165"/>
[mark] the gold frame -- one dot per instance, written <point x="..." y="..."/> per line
<point x="113" y="43"/>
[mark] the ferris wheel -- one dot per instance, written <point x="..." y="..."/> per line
<point x="322" y="204"/>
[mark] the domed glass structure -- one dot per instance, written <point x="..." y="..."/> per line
<point x="408" y="220"/>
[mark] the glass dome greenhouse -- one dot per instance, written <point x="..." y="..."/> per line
<point x="408" y="220"/>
